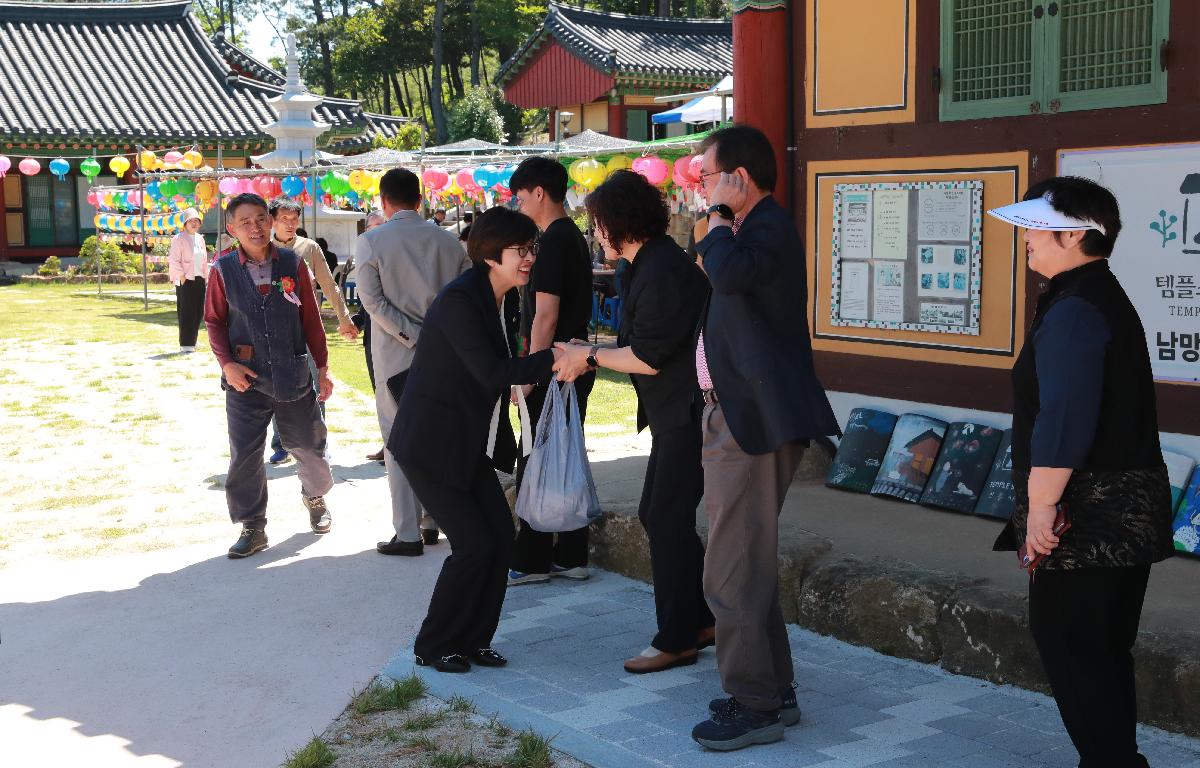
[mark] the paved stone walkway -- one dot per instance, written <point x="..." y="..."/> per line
<point x="566" y="641"/>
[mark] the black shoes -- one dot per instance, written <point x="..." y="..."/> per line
<point x="318" y="514"/>
<point x="734" y="726"/>
<point x="252" y="540"/>
<point x="488" y="657"/>
<point x="454" y="662"/>
<point x="430" y="537"/>
<point x="789" y="710"/>
<point x="403" y="548"/>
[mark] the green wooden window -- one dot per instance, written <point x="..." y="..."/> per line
<point x="50" y="211"/>
<point x="1012" y="57"/>
<point x="637" y="125"/>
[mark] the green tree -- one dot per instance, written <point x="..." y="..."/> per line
<point x="407" y="138"/>
<point x="474" y="116"/>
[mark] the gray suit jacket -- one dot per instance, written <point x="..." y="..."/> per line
<point x="401" y="266"/>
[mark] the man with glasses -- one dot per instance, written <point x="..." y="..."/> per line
<point x="402" y="266"/>
<point x="558" y="301"/>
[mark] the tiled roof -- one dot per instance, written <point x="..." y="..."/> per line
<point x="247" y="64"/>
<point x="619" y="44"/>
<point x="138" y="71"/>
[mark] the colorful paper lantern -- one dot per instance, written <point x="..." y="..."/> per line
<point x="360" y="181"/>
<point x="119" y="165"/>
<point x="435" y="179"/>
<point x="618" y="163"/>
<point x="60" y="167"/>
<point x="146" y="159"/>
<point x="684" y="170"/>
<point x="5" y="164"/>
<point x="588" y="173"/>
<point x="206" y="190"/>
<point x="292" y="186"/>
<point x="696" y="167"/>
<point x="185" y="187"/>
<point x="173" y="158"/>
<point x="192" y="160"/>
<point x="228" y="185"/>
<point x="466" y="181"/>
<point x="30" y="167"/>
<point x="653" y="168"/>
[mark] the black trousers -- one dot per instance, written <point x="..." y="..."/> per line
<point x="672" y="490"/>
<point x="189" y="307"/>
<point x="1084" y="622"/>
<point x="465" y="607"/>
<point x="366" y="336"/>
<point x="536" y="550"/>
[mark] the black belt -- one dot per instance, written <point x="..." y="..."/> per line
<point x="709" y="395"/>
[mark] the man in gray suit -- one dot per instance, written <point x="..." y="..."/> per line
<point x="402" y="265"/>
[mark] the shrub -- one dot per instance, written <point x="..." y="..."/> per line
<point x="475" y="116"/>
<point x="407" y="138"/>
<point x="113" y="260"/>
<point x="50" y="268"/>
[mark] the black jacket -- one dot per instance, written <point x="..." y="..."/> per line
<point x="462" y="365"/>
<point x="756" y="332"/>
<point x="664" y="292"/>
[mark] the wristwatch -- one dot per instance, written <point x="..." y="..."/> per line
<point x="591" y="358"/>
<point x="722" y="210"/>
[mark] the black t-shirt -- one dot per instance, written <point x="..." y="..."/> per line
<point x="564" y="268"/>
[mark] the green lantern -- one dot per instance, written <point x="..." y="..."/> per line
<point x="90" y="168"/>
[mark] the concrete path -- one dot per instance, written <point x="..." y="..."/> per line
<point x="565" y="642"/>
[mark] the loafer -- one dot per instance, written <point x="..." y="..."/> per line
<point x="706" y="638"/>
<point x="488" y="657"/>
<point x="318" y="514"/>
<point x="578" y="573"/>
<point x="789" y="711"/>
<point x="516" y="578"/>
<point x="402" y="548"/>
<point x="735" y="727"/>
<point x="279" y="457"/>
<point x="253" y="539"/>
<point x="654" y="660"/>
<point x="454" y="662"/>
<point x="429" y="537"/>
<point x="377" y="456"/>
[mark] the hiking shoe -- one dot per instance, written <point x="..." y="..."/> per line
<point x="279" y="457"/>
<point x="578" y="573"/>
<point x="516" y="578"/>
<point x="318" y="514"/>
<point x="734" y="726"/>
<point x="253" y="539"/>
<point x="789" y="711"/>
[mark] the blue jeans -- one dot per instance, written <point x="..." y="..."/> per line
<point x="276" y="441"/>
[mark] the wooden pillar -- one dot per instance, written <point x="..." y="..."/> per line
<point x="616" y="118"/>
<point x="760" y="80"/>
<point x="3" y="225"/>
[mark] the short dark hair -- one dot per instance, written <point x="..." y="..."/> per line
<point x="245" y="198"/>
<point x="284" y="204"/>
<point x="542" y="172"/>
<point x="496" y="229"/>
<point x="465" y="235"/>
<point x="744" y="146"/>
<point x="400" y="186"/>
<point x="628" y="208"/>
<point x="1082" y="198"/>
<point x="301" y="231"/>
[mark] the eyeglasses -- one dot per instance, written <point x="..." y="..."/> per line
<point x="704" y="176"/>
<point x="524" y="251"/>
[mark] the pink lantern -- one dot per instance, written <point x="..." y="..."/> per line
<point x="696" y="167"/>
<point x="5" y="164"/>
<point x="30" y="167"/>
<point x="466" y="181"/>
<point x="262" y="186"/>
<point x="435" y="179"/>
<point x="686" y="170"/>
<point x="228" y="186"/>
<point x="247" y="185"/>
<point x="173" y="158"/>
<point x="91" y="198"/>
<point x="654" y="169"/>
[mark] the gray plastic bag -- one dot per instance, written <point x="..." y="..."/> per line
<point x="557" y="492"/>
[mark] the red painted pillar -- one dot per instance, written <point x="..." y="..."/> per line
<point x="760" y="82"/>
<point x="616" y="119"/>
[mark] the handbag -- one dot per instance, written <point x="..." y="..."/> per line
<point x="558" y="493"/>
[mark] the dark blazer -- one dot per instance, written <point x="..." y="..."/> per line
<point x="756" y="332"/>
<point x="664" y="292"/>
<point x="462" y="365"/>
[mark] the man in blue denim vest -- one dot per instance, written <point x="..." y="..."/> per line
<point x="263" y="322"/>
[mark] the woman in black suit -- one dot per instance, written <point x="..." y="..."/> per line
<point x="452" y="432"/>
<point x="664" y="293"/>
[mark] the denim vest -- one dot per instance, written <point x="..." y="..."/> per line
<point x="271" y="324"/>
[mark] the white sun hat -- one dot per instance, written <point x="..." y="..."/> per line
<point x="191" y="213"/>
<point x="1038" y="213"/>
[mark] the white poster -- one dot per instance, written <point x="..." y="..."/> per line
<point x="1157" y="256"/>
<point x="944" y="214"/>
<point x="891" y="224"/>
<point x="943" y="314"/>
<point x="888" y="306"/>
<point x="855" y="277"/>
<point x="856" y="225"/>
<point x="943" y="270"/>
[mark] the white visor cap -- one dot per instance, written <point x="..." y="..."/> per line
<point x="1038" y="213"/>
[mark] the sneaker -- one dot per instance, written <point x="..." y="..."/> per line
<point x="578" y="573"/>
<point x="318" y="514"/>
<point x="253" y="539"/>
<point x="185" y="350"/>
<point x="279" y="457"/>
<point x="516" y="578"/>
<point x="789" y="710"/>
<point x="734" y="726"/>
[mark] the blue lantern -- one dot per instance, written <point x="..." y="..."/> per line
<point x="292" y="186"/>
<point x="60" y="167"/>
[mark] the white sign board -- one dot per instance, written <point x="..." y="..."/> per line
<point x="1157" y="256"/>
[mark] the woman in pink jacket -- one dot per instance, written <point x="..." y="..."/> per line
<point x="188" y="269"/>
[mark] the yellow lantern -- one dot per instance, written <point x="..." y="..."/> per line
<point x="618" y="163"/>
<point x="119" y="165"/>
<point x="192" y="160"/>
<point x="146" y="160"/>
<point x="589" y="173"/>
<point x="206" y="190"/>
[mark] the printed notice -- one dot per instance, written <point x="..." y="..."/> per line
<point x="944" y="214"/>
<point x="943" y="270"/>
<point x="856" y="225"/>
<point x="943" y="314"/>
<point x="888" y="306"/>
<point x="891" y="224"/>
<point x="855" y="276"/>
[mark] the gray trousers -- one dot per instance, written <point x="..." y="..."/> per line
<point x="743" y="496"/>
<point x="408" y="516"/>
<point x="303" y="430"/>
